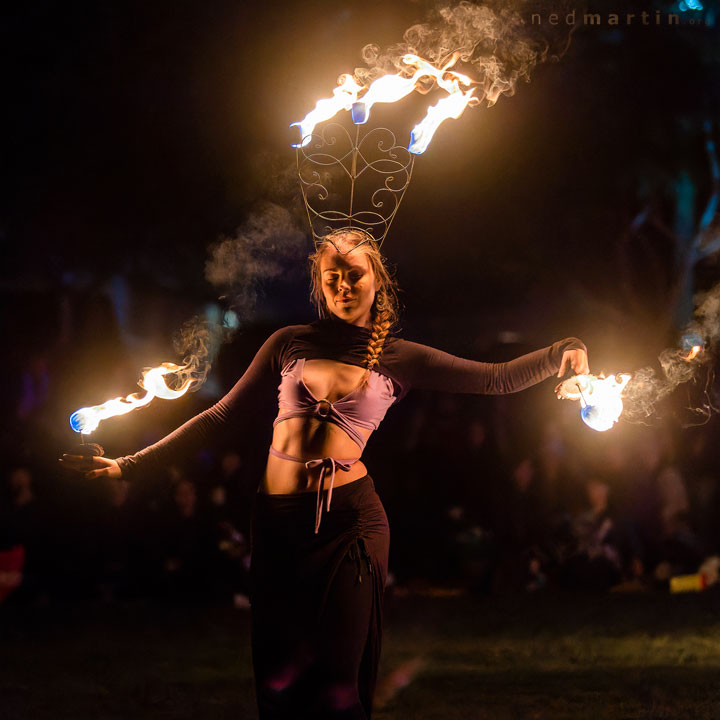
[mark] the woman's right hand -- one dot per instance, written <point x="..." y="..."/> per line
<point x="92" y="467"/>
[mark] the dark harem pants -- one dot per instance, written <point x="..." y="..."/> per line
<point x="317" y="603"/>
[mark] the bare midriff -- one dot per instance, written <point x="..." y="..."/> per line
<point x="310" y="438"/>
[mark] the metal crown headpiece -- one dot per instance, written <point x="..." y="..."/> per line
<point x="353" y="184"/>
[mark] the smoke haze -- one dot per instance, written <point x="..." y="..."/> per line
<point x="493" y="39"/>
<point x="648" y="387"/>
<point x="267" y="245"/>
<point x="261" y="249"/>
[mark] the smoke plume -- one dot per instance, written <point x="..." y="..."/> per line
<point x="198" y="342"/>
<point x="648" y="387"/>
<point x="495" y="40"/>
<point x="266" y="246"/>
<point x="263" y="248"/>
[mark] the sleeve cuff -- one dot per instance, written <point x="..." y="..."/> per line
<point x="573" y="343"/>
<point x="126" y="467"/>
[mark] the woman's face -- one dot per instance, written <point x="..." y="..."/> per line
<point x="348" y="285"/>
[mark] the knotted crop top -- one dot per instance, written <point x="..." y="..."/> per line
<point x="364" y="407"/>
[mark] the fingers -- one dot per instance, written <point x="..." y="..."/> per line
<point x="71" y="459"/>
<point x="93" y="474"/>
<point x="577" y="360"/>
<point x="581" y="365"/>
<point x="76" y="462"/>
<point x="90" y="467"/>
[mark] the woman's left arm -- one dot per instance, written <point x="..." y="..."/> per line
<point x="431" y="369"/>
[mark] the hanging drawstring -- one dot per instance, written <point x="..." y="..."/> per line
<point x="357" y="553"/>
<point x="324" y="464"/>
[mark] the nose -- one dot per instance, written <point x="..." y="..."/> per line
<point x="344" y="283"/>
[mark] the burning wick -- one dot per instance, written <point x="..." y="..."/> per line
<point x="85" y="420"/>
<point x="600" y="398"/>
<point x="344" y="95"/>
<point x="693" y="353"/>
<point x="348" y="95"/>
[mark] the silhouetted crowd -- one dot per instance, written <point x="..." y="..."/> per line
<point x="573" y="509"/>
<point x="470" y="505"/>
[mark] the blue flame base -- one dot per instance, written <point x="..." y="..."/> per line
<point x="593" y="418"/>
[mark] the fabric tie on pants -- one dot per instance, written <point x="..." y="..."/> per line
<point x="325" y="464"/>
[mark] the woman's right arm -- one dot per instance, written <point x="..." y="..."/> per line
<point x="252" y="389"/>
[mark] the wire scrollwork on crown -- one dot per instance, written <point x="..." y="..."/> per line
<point x="353" y="183"/>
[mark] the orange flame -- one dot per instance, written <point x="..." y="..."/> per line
<point x="601" y="398"/>
<point x="451" y="106"/>
<point x="693" y="353"/>
<point x="344" y="95"/>
<point x="389" y="89"/>
<point x="85" y="420"/>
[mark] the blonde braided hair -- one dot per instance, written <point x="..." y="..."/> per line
<point x="385" y="306"/>
<point x="382" y="322"/>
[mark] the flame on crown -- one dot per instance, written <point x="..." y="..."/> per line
<point x="339" y="175"/>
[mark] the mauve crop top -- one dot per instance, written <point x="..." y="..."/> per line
<point x="403" y="365"/>
<point x="363" y="407"/>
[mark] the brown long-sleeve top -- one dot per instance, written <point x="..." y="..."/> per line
<point x="407" y="364"/>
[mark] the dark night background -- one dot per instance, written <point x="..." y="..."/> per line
<point x="138" y="133"/>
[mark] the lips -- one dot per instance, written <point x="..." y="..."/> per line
<point x="345" y="300"/>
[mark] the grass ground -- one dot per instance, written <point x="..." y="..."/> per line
<point x="541" y="657"/>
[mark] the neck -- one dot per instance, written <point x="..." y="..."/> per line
<point x="364" y="322"/>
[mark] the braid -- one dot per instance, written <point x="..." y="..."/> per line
<point x="383" y="317"/>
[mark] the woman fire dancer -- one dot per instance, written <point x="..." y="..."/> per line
<point x="320" y="534"/>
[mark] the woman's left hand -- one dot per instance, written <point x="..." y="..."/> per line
<point x="577" y="360"/>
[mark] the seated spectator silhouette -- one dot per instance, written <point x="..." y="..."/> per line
<point x="189" y="547"/>
<point x="595" y="562"/>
